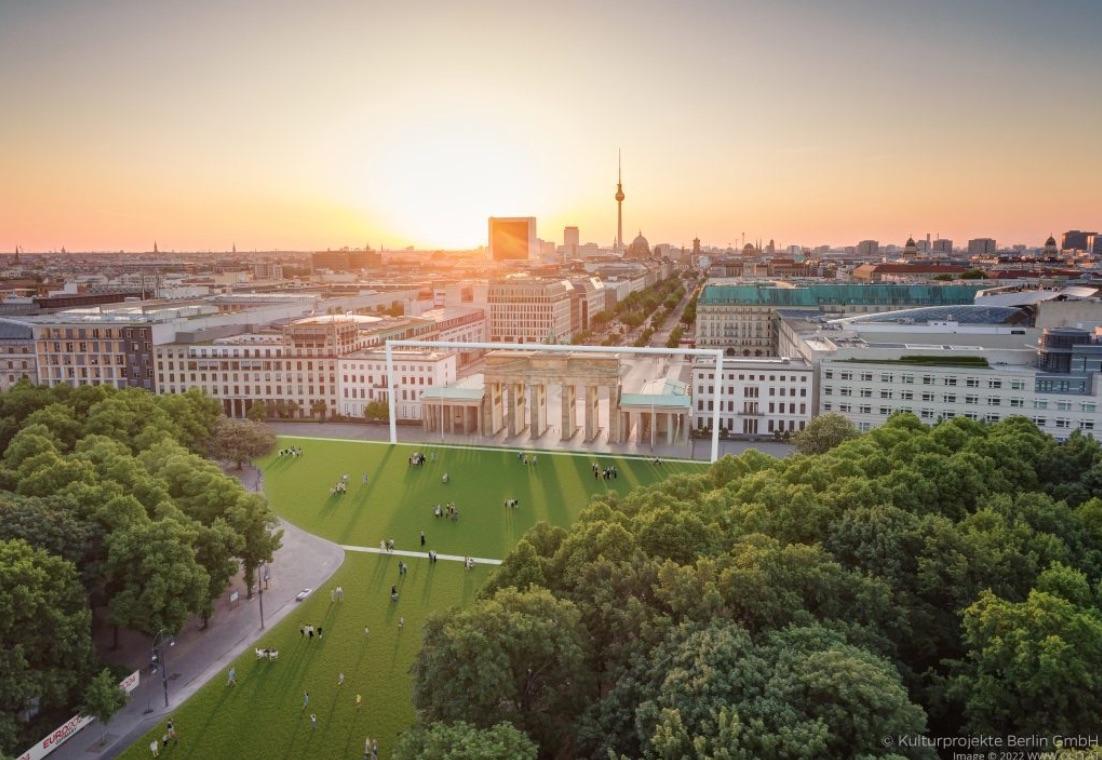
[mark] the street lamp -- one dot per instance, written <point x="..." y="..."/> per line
<point x="265" y="572"/>
<point x="158" y="658"/>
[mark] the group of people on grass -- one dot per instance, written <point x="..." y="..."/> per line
<point x="168" y="737"/>
<point x="449" y="511"/>
<point x="512" y="503"/>
<point x="341" y="485"/>
<point x="291" y="452"/>
<point x="308" y="632"/>
<point x="608" y="473"/>
<point x="526" y="458"/>
<point x="417" y="459"/>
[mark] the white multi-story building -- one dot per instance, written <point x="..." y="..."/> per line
<point x="363" y="379"/>
<point x="868" y="392"/>
<point x="459" y="324"/>
<point x="528" y="310"/>
<point x="984" y="363"/>
<point x="294" y="366"/>
<point x="757" y="397"/>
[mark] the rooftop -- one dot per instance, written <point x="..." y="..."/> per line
<point x="818" y="294"/>
<point x="965" y="314"/>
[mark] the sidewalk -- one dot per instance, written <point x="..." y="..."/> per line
<point x="304" y="561"/>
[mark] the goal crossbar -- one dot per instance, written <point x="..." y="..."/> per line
<point x="715" y="353"/>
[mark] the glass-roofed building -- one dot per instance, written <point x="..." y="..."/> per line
<point x="743" y="317"/>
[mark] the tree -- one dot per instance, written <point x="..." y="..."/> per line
<point x="1034" y="665"/>
<point x="462" y="741"/>
<point x="256" y="525"/>
<point x="377" y="411"/>
<point x="318" y="408"/>
<point x="258" y="412"/>
<point x="102" y="699"/>
<point x="715" y="691"/>
<point x="155" y="581"/>
<point x="516" y="657"/>
<point x="45" y="633"/>
<point x="824" y="433"/>
<point x="215" y="549"/>
<point x="241" y="440"/>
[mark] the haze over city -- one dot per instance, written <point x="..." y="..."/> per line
<point x="306" y="126"/>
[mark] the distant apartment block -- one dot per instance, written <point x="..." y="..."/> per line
<point x="345" y="261"/>
<point x="571" y="242"/>
<point x="982" y="247"/>
<point x="1075" y="240"/>
<point x="868" y="248"/>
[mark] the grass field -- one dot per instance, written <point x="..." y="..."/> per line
<point x="262" y="717"/>
<point x="397" y="502"/>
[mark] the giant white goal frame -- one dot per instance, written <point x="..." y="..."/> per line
<point x="715" y="353"/>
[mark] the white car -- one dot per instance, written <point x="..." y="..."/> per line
<point x="303" y="594"/>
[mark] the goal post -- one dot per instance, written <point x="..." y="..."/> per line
<point x="715" y="354"/>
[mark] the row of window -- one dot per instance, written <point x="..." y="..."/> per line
<point x="752" y="407"/>
<point x="761" y="378"/>
<point x="752" y="391"/>
<point x="909" y="379"/>
<point x="953" y="398"/>
<point x="932" y="414"/>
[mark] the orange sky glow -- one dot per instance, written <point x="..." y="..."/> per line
<point x="327" y="124"/>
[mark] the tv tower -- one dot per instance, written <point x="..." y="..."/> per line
<point x="619" y="205"/>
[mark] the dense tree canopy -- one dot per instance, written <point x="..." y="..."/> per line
<point x="913" y="580"/>
<point x="462" y="741"/>
<point x="107" y="504"/>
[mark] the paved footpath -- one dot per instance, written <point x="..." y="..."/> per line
<point x="418" y="555"/>
<point x="304" y="561"/>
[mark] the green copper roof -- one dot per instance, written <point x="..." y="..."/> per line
<point x="841" y="294"/>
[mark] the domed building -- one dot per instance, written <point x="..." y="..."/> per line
<point x="639" y="248"/>
<point x="1050" y="246"/>
<point x="910" y="249"/>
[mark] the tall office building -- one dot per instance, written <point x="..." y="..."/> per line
<point x="1094" y="244"/>
<point x="981" y="247"/>
<point x="513" y="238"/>
<point x="1075" y="240"/>
<point x="868" y="248"/>
<point x="570" y="242"/>
<point x="943" y="246"/>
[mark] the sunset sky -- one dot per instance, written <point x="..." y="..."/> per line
<point x="317" y="124"/>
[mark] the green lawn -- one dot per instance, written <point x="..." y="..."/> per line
<point x="262" y="716"/>
<point x="398" y="499"/>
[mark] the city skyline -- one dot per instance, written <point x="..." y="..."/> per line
<point x="206" y="125"/>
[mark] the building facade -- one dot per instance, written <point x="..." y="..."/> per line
<point x="869" y="392"/>
<point x="742" y="317"/>
<point x="363" y="379"/>
<point x="18" y="360"/>
<point x="525" y="310"/>
<point x="758" y="398"/>
<point x="293" y="367"/>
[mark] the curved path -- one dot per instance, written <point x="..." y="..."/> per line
<point x="304" y="561"/>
